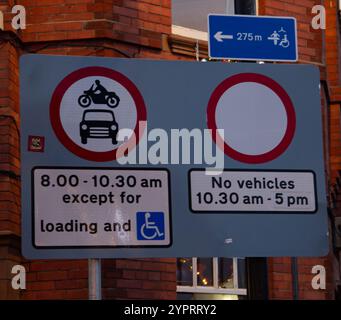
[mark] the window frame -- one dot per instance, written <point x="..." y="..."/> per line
<point x="202" y="35"/>
<point x="215" y="288"/>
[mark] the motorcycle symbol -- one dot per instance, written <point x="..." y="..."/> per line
<point x="98" y="95"/>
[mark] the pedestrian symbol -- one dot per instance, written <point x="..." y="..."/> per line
<point x="150" y="226"/>
<point x="279" y="40"/>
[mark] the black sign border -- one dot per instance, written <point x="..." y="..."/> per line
<point x="203" y="212"/>
<point x="108" y="246"/>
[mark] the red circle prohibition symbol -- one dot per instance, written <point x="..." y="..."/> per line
<point x="55" y="105"/>
<point x="285" y="99"/>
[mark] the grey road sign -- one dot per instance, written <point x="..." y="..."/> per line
<point x="106" y="172"/>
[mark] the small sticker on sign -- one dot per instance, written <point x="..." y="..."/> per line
<point x="36" y="144"/>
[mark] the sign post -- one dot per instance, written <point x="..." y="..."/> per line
<point x="241" y="37"/>
<point x="95" y="279"/>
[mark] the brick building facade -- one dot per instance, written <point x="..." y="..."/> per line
<point x="143" y="29"/>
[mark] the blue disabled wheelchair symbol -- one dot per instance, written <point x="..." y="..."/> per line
<point x="150" y="226"/>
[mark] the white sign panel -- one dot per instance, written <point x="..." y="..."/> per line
<point x="75" y="207"/>
<point x="253" y="191"/>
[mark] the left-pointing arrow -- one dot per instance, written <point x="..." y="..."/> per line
<point x="219" y="36"/>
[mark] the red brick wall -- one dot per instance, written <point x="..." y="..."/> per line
<point x="309" y="40"/>
<point x="281" y="279"/>
<point x="139" y="279"/>
<point x="137" y="22"/>
<point x="311" y="50"/>
<point x="9" y="166"/>
<point x="127" y="28"/>
<point x="9" y="141"/>
<point x="334" y="79"/>
<point x="56" y="280"/>
<point x="121" y="279"/>
<point x="113" y="28"/>
<point x="333" y="60"/>
<point x="333" y="46"/>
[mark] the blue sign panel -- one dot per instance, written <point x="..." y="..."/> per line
<point x="150" y="226"/>
<point x="252" y="38"/>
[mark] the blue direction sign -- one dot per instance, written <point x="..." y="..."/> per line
<point x="252" y="38"/>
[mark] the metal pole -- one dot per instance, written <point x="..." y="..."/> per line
<point x="95" y="279"/>
<point x="230" y="7"/>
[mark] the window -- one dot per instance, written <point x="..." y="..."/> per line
<point x="211" y="278"/>
<point x="190" y="16"/>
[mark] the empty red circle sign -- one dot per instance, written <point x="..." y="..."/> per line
<point x="252" y="118"/>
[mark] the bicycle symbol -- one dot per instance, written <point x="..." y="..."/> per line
<point x="150" y="226"/>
